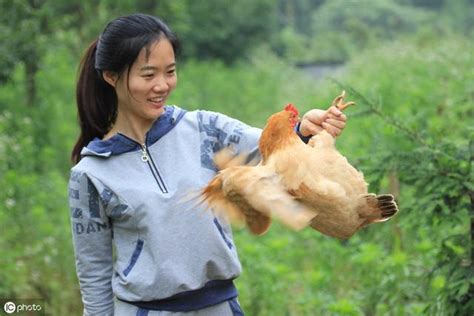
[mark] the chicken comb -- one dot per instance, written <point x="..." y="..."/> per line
<point x="291" y="108"/>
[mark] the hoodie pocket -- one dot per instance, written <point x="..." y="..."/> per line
<point x="135" y="255"/>
<point x="221" y="231"/>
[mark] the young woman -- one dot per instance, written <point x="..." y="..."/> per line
<point x="135" y="159"/>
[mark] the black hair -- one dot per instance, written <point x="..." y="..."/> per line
<point x="115" y="50"/>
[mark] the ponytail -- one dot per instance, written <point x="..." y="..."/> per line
<point x="96" y="102"/>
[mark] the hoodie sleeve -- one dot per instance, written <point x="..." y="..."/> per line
<point x="92" y="238"/>
<point x="223" y="131"/>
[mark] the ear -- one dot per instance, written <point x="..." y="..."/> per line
<point x="110" y="77"/>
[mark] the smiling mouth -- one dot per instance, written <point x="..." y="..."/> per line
<point x="157" y="99"/>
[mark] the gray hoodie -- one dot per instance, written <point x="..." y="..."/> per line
<point x="136" y="234"/>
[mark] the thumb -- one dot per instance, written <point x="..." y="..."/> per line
<point x="317" y="116"/>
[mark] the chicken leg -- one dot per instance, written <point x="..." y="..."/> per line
<point x="338" y="102"/>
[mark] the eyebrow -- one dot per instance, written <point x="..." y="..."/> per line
<point x="149" y="67"/>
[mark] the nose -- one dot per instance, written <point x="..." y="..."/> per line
<point x="160" y="85"/>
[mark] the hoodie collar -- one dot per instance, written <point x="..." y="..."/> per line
<point x="119" y="143"/>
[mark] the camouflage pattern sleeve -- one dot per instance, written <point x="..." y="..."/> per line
<point x="222" y="131"/>
<point x="92" y="238"/>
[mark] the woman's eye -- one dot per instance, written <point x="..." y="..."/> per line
<point x="148" y="76"/>
<point x="171" y="71"/>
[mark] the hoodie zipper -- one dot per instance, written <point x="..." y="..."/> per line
<point x="146" y="157"/>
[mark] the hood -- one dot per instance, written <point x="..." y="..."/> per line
<point x="119" y="143"/>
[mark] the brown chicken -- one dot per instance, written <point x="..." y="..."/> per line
<point x="300" y="184"/>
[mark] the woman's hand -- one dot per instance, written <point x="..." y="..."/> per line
<point x="314" y="121"/>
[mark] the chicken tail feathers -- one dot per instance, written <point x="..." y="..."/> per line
<point x="381" y="208"/>
<point x="234" y="207"/>
<point x="213" y="198"/>
<point x="212" y="190"/>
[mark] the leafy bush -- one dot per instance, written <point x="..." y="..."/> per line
<point x="404" y="141"/>
<point x="341" y="28"/>
<point x="34" y="216"/>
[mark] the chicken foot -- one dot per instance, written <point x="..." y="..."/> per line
<point x="339" y="102"/>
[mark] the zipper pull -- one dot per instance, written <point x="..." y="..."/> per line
<point x="144" y="153"/>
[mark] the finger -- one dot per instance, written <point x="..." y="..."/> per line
<point x="334" y="131"/>
<point x="312" y="129"/>
<point x="316" y="116"/>
<point x="336" y="123"/>
<point x="335" y="111"/>
<point x="342" y="117"/>
<point x="317" y="120"/>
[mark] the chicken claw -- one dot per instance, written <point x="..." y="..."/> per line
<point x="339" y="102"/>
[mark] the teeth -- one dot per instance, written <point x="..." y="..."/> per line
<point x="159" y="99"/>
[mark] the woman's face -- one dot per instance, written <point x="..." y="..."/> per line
<point x="151" y="79"/>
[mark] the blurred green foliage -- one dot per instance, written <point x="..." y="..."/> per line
<point x="409" y="67"/>
<point x="341" y="28"/>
